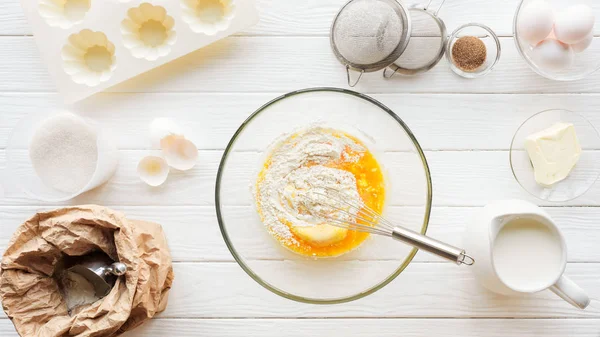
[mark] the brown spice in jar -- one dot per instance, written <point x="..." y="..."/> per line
<point x="469" y="53"/>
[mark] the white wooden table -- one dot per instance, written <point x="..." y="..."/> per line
<point x="465" y="126"/>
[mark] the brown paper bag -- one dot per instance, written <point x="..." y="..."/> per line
<point x="30" y="295"/>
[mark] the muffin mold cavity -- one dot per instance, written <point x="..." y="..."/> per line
<point x="63" y="13"/>
<point x="89" y="58"/>
<point x="208" y="16"/>
<point x="148" y="32"/>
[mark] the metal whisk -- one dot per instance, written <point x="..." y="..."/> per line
<point x="359" y="217"/>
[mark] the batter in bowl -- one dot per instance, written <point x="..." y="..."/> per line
<point x="316" y="159"/>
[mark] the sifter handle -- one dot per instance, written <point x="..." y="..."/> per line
<point x="433" y="246"/>
<point x="352" y="83"/>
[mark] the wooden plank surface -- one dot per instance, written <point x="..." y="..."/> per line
<point x="194" y="235"/>
<point x="357" y="327"/>
<point x="460" y="178"/>
<point x="314" y="17"/>
<point x="214" y="118"/>
<point x="292" y="63"/>
<point x="223" y="290"/>
<point x="465" y="127"/>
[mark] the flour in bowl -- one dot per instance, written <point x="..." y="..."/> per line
<point x="301" y="168"/>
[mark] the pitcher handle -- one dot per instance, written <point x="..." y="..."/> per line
<point x="569" y="291"/>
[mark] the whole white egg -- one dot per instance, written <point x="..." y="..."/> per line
<point x="553" y="55"/>
<point x="574" y="24"/>
<point x="535" y="21"/>
<point x="583" y="44"/>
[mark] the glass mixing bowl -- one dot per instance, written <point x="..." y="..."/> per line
<point x="326" y="280"/>
<point x="584" y="64"/>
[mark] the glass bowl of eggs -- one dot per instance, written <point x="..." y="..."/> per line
<point x="311" y="140"/>
<point x="556" y="37"/>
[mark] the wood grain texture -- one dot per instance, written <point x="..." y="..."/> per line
<point x="290" y="18"/>
<point x="357" y="327"/>
<point x="276" y="64"/>
<point x="460" y="178"/>
<point x="213" y="118"/>
<point x="223" y="290"/>
<point x="465" y="126"/>
<point x="194" y="235"/>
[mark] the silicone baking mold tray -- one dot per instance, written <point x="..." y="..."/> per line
<point x="91" y="45"/>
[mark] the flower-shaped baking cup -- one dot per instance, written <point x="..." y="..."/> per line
<point x="148" y="32"/>
<point x="63" y="13"/>
<point x="89" y="58"/>
<point x="208" y="16"/>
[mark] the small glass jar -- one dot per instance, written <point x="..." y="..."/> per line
<point x="487" y="36"/>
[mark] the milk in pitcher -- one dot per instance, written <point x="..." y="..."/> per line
<point x="528" y="254"/>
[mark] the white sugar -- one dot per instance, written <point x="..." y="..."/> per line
<point x="64" y="152"/>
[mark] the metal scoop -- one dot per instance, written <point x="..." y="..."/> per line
<point x="100" y="271"/>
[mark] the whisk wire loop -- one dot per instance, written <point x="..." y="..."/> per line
<point x="360" y="217"/>
<point x="372" y="220"/>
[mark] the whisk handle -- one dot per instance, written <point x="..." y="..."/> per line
<point x="433" y="246"/>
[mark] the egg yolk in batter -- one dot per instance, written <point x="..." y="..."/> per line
<point x="336" y="241"/>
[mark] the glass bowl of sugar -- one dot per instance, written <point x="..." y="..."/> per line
<point x="56" y="156"/>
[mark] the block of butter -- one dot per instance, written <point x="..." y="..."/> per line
<point x="553" y="153"/>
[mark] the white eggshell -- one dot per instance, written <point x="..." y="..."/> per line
<point x="153" y="170"/>
<point x="574" y="24"/>
<point x="180" y="153"/>
<point x="535" y="21"/>
<point x="583" y="44"/>
<point x="553" y="55"/>
<point x="161" y="128"/>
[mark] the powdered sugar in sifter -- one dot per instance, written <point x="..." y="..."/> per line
<point x="371" y="35"/>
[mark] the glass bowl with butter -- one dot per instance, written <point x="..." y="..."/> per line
<point x="555" y="155"/>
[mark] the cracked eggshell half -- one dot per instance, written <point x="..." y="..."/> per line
<point x="148" y="32"/>
<point x="180" y="153"/>
<point x="208" y="16"/>
<point x="153" y="170"/>
<point x="89" y="58"/>
<point x="63" y="13"/>
<point x="161" y="128"/>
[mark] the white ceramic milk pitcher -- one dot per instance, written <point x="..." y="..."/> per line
<point x="520" y="250"/>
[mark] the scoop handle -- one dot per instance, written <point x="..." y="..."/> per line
<point x="117" y="269"/>
<point x="433" y="246"/>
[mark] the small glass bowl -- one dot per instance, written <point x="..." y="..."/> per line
<point x="492" y="44"/>
<point x="21" y="177"/>
<point x="585" y="173"/>
<point x="584" y="64"/>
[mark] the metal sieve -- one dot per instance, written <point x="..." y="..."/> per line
<point x="427" y="46"/>
<point x="369" y="35"/>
